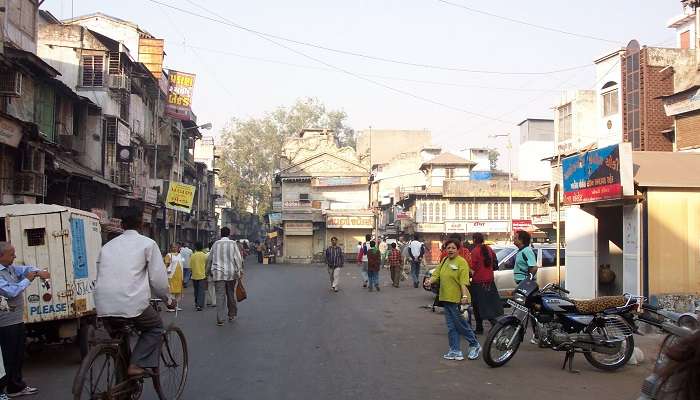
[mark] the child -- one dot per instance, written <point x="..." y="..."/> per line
<point x="374" y="260"/>
<point x="394" y="259"/>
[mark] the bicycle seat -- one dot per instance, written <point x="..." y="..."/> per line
<point x="599" y="304"/>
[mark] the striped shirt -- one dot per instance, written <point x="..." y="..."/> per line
<point x="224" y="262"/>
<point x="334" y="256"/>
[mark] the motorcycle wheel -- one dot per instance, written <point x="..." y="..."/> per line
<point x="497" y="349"/>
<point x="612" y="362"/>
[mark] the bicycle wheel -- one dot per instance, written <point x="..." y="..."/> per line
<point x="100" y="372"/>
<point x="172" y="369"/>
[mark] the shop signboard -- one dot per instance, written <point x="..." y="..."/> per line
<point x="350" y="221"/>
<point x="682" y="103"/>
<point x="180" y="197"/>
<point x="523" y="225"/>
<point x="150" y="196"/>
<point x="402" y="215"/>
<point x="597" y="175"/>
<point x="326" y="181"/>
<point x="296" y="204"/>
<point x="179" y="100"/>
<point x="276" y="205"/>
<point x="487" y="226"/>
<point x="456" y="227"/>
<point x="430" y="227"/>
<point x="298" y="228"/>
<point x="147" y="216"/>
<point x="275" y="218"/>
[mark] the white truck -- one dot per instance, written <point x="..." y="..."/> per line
<point x="66" y="242"/>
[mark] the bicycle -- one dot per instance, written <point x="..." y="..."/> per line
<point x="103" y="372"/>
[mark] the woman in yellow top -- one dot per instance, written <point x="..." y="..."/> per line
<point x="173" y="263"/>
<point x="453" y="276"/>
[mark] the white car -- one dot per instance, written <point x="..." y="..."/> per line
<point x="546" y="267"/>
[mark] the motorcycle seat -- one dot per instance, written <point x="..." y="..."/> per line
<point x="599" y="304"/>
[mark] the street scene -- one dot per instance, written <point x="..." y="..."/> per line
<point x="425" y="199"/>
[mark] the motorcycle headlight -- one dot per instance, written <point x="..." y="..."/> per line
<point x="519" y="298"/>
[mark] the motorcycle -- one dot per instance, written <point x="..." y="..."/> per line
<point x="601" y="328"/>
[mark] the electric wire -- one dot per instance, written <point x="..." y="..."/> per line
<point x="225" y="21"/>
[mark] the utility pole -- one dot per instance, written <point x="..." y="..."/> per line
<point x="510" y="182"/>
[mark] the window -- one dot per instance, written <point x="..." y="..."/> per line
<point x="632" y="96"/>
<point x="304" y="198"/>
<point x="610" y="103"/>
<point x="502" y="214"/>
<point x="444" y="212"/>
<point x="449" y="173"/>
<point x="471" y="211"/>
<point x="685" y="40"/>
<point x="35" y="237"/>
<point x="45" y="111"/>
<point x="564" y="122"/>
<point x="93" y="70"/>
<point x="430" y="212"/>
<point x="424" y="212"/>
<point x="549" y="257"/>
<point x="490" y="210"/>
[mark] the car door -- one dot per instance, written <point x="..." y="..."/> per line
<point x="504" y="275"/>
<point x="548" y="272"/>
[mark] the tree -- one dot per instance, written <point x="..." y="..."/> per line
<point x="493" y="159"/>
<point x="252" y="147"/>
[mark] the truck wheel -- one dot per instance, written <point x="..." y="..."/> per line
<point x="86" y="336"/>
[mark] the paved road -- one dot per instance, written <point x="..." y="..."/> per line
<point x="295" y="339"/>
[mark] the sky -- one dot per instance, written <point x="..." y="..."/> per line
<point x="240" y="74"/>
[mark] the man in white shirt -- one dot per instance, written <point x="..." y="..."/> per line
<point x="416" y="251"/>
<point x="225" y="266"/>
<point x="130" y="271"/>
<point x="186" y="253"/>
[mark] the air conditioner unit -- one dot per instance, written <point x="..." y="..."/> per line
<point x="30" y="184"/>
<point x="119" y="82"/>
<point x="10" y="83"/>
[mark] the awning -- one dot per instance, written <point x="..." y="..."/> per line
<point x="30" y="61"/>
<point x="666" y="169"/>
<point x="75" y="169"/>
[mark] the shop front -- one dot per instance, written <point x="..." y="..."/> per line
<point x="349" y="228"/>
<point x="298" y="242"/>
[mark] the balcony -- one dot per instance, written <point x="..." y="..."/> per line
<point x="495" y="188"/>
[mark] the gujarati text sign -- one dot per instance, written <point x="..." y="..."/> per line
<point x="593" y="176"/>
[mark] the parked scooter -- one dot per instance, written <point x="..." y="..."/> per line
<point x="601" y="329"/>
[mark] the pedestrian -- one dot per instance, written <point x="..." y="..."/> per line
<point x="259" y="251"/>
<point x="198" y="262"/>
<point x="453" y="276"/>
<point x="679" y="378"/>
<point x="395" y="263"/>
<point x="130" y="272"/>
<point x="464" y="252"/>
<point x="383" y="249"/>
<point x="225" y="266"/>
<point x="211" y="294"/>
<point x="525" y="265"/>
<point x="14" y="279"/>
<point x="334" y="260"/>
<point x="186" y="253"/>
<point x="374" y="260"/>
<point x="358" y="260"/>
<point x="364" y="249"/>
<point x="174" y="266"/>
<point x="416" y="251"/>
<point x="485" y="298"/>
<point x="525" y="260"/>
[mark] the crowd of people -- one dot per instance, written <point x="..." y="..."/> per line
<point x="464" y="277"/>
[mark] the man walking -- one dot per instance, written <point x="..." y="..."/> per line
<point x="374" y="259"/>
<point x="130" y="271"/>
<point x="14" y="279"/>
<point x="394" y="260"/>
<point x="363" y="250"/>
<point x="186" y="253"/>
<point x="416" y="251"/>
<point x="198" y="262"/>
<point x="335" y="260"/>
<point x="225" y="266"/>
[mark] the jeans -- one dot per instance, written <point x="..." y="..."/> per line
<point x="456" y="326"/>
<point x="364" y="271"/>
<point x="225" y="300"/>
<point x="12" y="340"/>
<point x="200" y="288"/>
<point x="415" y="270"/>
<point x="187" y="276"/>
<point x="373" y="277"/>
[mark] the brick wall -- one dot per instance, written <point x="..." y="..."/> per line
<point x="688" y="131"/>
<point x="653" y="83"/>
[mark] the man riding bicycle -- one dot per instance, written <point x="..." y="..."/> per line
<point x="130" y="271"/>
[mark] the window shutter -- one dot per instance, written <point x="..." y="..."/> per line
<point x="93" y="67"/>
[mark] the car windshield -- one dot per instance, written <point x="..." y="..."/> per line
<point x="503" y="252"/>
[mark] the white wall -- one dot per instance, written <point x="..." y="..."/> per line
<point x="120" y="32"/>
<point x="609" y="70"/>
<point x="339" y="198"/>
<point x="584" y="122"/>
<point x="581" y="253"/>
<point x="20" y="31"/>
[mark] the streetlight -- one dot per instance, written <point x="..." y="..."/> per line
<point x="510" y="182"/>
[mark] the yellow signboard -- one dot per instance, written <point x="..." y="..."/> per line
<point x="180" y="197"/>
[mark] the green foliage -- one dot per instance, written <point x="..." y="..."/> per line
<point x="251" y="147"/>
<point x="493" y="158"/>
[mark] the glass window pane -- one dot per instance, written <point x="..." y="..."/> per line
<point x="549" y="257"/>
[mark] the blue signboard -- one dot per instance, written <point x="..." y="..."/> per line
<point x="592" y="176"/>
<point x="80" y="262"/>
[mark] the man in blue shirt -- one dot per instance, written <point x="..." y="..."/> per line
<point x="525" y="260"/>
<point x="14" y="279"/>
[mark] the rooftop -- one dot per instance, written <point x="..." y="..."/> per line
<point x="448" y="159"/>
